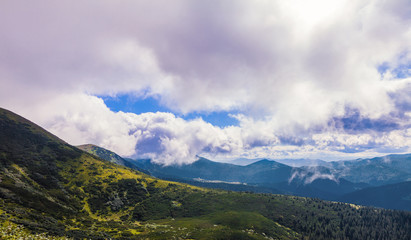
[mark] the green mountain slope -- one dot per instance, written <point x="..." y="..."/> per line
<point x="109" y="156"/>
<point x="394" y="196"/>
<point x="103" y="153"/>
<point x="49" y="187"/>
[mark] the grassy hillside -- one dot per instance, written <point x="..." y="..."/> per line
<point x="109" y="156"/>
<point x="103" y="153"/>
<point x="51" y="189"/>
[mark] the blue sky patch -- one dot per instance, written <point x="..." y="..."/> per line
<point x="401" y="71"/>
<point x="128" y="103"/>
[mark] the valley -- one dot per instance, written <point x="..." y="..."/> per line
<point x="336" y="181"/>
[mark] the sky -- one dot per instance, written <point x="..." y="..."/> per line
<point x="173" y="80"/>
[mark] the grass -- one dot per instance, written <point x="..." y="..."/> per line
<point x="12" y="231"/>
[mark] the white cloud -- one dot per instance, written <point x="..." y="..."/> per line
<point x="167" y="139"/>
<point x="81" y="118"/>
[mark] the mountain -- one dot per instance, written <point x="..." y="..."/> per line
<point x="375" y="171"/>
<point x="263" y="171"/>
<point x="244" y="161"/>
<point x="51" y="189"/>
<point x="267" y="171"/>
<point x="330" y="182"/>
<point x="109" y="156"/>
<point x="393" y="196"/>
<point x="104" y="154"/>
<point x="202" y="168"/>
<point x="262" y="176"/>
<point x="290" y="162"/>
<point x="319" y="188"/>
<point x="170" y="173"/>
<point x="303" y="162"/>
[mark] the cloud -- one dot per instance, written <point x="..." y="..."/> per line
<point x="386" y="159"/>
<point x="310" y="174"/>
<point x="163" y="137"/>
<point x="295" y="71"/>
<point x="169" y="139"/>
<point x="353" y="122"/>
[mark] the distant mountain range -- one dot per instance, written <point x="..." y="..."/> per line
<point x="327" y="180"/>
<point x="347" y="181"/>
<point x="290" y="162"/>
<point x="261" y="176"/>
<point x="243" y="161"/>
<point x="303" y="162"/>
<point x="259" y="172"/>
<point x="375" y="171"/>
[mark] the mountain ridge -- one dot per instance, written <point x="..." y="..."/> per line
<point x="264" y="175"/>
<point x="326" y="182"/>
<point x="109" y="156"/>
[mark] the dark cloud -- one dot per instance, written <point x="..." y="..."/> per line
<point x="357" y="149"/>
<point x="353" y="122"/>
<point x="402" y="100"/>
<point x="291" y="140"/>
